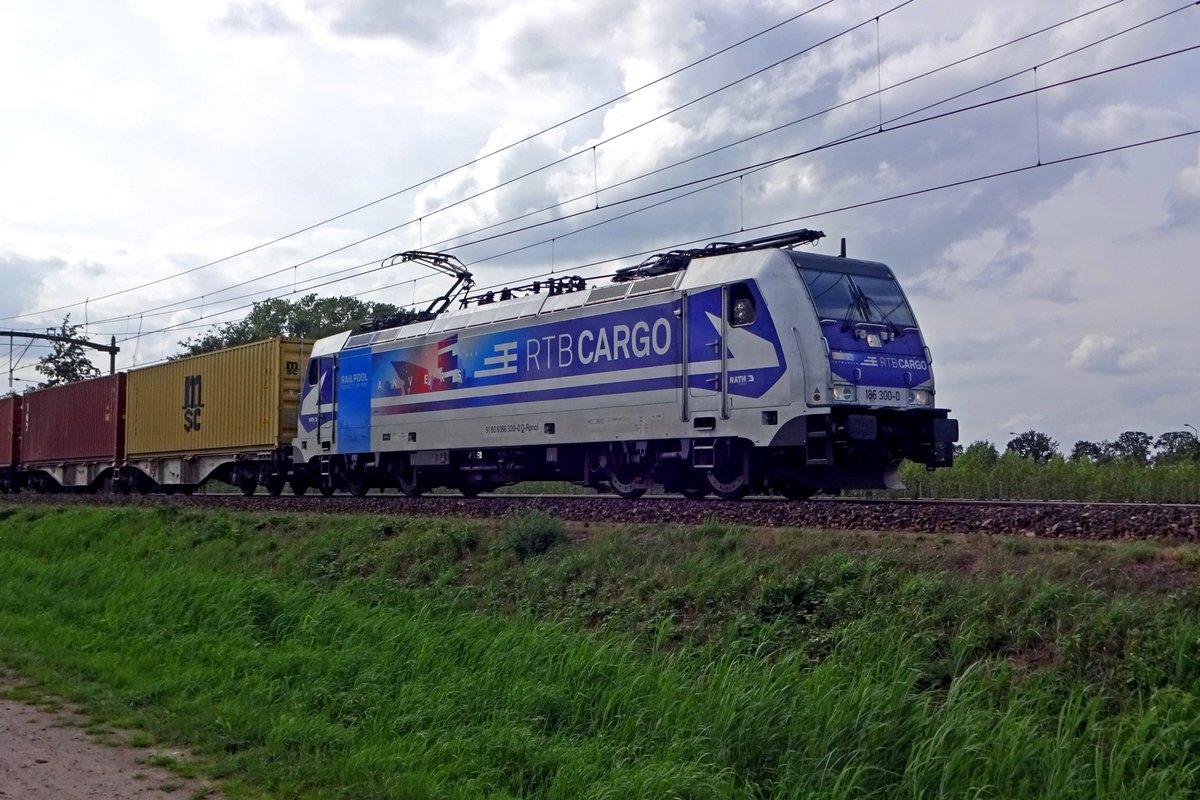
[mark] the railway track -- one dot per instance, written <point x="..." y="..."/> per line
<point x="1067" y="520"/>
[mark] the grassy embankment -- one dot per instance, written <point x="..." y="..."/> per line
<point x="322" y="656"/>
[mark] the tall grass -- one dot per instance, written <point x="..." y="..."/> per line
<point x="391" y="658"/>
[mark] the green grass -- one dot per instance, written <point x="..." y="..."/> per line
<point x="384" y="657"/>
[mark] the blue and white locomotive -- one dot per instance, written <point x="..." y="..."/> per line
<point x="729" y="369"/>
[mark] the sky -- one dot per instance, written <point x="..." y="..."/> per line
<point x="155" y="158"/>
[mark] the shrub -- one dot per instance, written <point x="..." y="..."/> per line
<point x="531" y="533"/>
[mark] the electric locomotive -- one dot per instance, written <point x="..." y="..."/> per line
<point x="728" y="369"/>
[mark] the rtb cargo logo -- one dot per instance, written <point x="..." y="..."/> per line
<point x="193" y="402"/>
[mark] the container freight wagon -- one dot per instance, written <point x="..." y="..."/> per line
<point x="10" y="444"/>
<point x="73" y="436"/>
<point x="228" y="416"/>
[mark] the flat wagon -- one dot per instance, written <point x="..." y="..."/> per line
<point x="73" y="436"/>
<point x="228" y="416"/>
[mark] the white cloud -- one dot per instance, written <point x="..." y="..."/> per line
<point x="1108" y="355"/>
<point x="1183" y="199"/>
<point x="1121" y="122"/>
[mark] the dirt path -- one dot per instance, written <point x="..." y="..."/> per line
<point x="46" y="756"/>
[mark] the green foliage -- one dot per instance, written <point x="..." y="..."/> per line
<point x="1177" y="447"/>
<point x="532" y="533"/>
<point x="1033" y="445"/>
<point x="67" y="362"/>
<point x="310" y="317"/>
<point x="305" y="660"/>
<point x="1088" y="451"/>
<point x="980" y="455"/>
<point x="1133" y="446"/>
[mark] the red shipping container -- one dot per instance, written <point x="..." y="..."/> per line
<point x="78" y="422"/>
<point x="10" y="431"/>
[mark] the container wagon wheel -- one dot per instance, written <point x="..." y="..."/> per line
<point x="248" y="486"/>
<point x="275" y="485"/>
<point x="299" y="486"/>
<point x="327" y="489"/>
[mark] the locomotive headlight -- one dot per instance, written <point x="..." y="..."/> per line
<point x="920" y="397"/>
<point x="844" y="394"/>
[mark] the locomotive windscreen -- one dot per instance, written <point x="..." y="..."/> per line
<point x="855" y="291"/>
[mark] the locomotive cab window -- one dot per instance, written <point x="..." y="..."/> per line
<point x="742" y="310"/>
<point x="312" y="372"/>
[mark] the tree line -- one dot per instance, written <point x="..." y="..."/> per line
<point x="1134" y="466"/>
<point x="1134" y="447"/>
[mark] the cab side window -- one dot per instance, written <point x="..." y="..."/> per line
<point x="312" y="372"/>
<point x="742" y="309"/>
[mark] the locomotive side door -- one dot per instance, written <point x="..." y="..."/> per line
<point x="704" y="358"/>
<point x="326" y="407"/>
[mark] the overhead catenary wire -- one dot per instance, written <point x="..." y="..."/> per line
<point x="853" y="206"/>
<point x="727" y="175"/>
<point x="421" y="218"/>
<point x="377" y="289"/>
<point x="867" y="203"/>
<point x="478" y="159"/>
<point x="716" y="179"/>
<point x="449" y="240"/>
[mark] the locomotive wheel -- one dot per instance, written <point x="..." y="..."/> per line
<point x="694" y="492"/>
<point x="408" y="482"/>
<point x="275" y="485"/>
<point x="730" y="478"/>
<point x="326" y="491"/>
<point x="357" y="484"/>
<point x="628" y="481"/>
<point x="299" y="486"/>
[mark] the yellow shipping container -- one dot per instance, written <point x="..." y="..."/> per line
<point x="237" y="400"/>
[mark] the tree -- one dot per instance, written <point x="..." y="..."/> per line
<point x="310" y="317"/>
<point x="67" y="362"/>
<point x="981" y="454"/>
<point x="1088" y="451"/>
<point x="1176" y="446"/>
<point x="1133" y="446"/>
<point x="1035" y="445"/>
